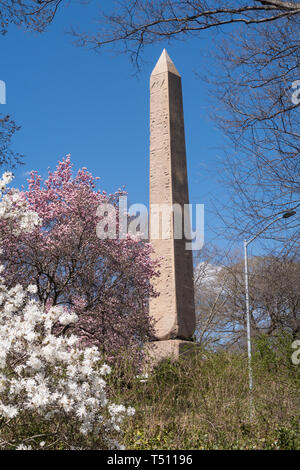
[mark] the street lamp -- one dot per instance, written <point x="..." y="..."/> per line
<point x="286" y="215"/>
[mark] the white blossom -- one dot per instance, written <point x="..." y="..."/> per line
<point x="23" y="447"/>
<point x="105" y="369"/>
<point x="66" y="318"/>
<point x="32" y="289"/>
<point x="130" y="411"/>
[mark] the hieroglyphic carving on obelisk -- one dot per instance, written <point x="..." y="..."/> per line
<point x="173" y="310"/>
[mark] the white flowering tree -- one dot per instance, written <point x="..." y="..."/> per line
<point x="52" y="392"/>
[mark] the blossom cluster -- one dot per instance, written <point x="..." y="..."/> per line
<point x="50" y="378"/>
<point x="14" y="209"/>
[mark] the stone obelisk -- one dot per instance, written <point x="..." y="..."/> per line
<point x="173" y="310"/>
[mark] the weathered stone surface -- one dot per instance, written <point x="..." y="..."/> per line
<point x="172" y="348"/>
<point x="173" y="310"/>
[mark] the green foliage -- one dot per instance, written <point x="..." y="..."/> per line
<point x="274" y="352"/>
<point x="202" y="401"/>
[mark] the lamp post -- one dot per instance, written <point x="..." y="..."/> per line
<point x="286" y="215"/>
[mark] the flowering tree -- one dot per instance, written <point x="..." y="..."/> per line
<point x="52" y="392"/>
<point x="104" y="281"/>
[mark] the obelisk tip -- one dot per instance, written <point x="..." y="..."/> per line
<point x="165" y="64"/>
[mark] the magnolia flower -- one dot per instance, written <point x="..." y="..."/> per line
<point x="105" y="369"/>
<point x="67" y="318"/>
<point x="7" y="178"/>
<point x="35" y="363"/>
<point x="130" y="411"/>
<point x="23" y="447"/>
<point x="32" y="289"/>
<point x="8" y="411"/>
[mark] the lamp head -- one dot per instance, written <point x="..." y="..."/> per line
<point x="286" y="215"/>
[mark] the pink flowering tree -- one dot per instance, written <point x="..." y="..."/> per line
<point x="106" y="282"/>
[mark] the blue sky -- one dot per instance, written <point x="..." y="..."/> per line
<point x="72" y="100"/>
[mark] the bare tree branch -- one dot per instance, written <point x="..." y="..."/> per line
<point x="8" y="127"/>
